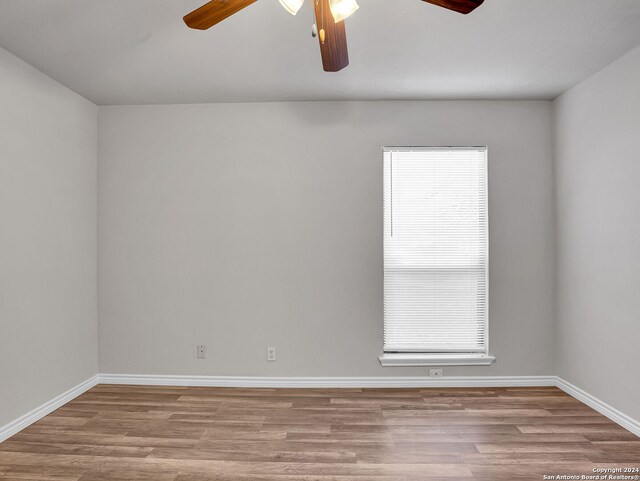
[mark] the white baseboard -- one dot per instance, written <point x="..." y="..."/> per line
<point x="603" y="408"/>
<point x="379" y="382"/>
<point x="616" y="416"/>
<point x="41" y="411"/>
<point x="328" y="382"/>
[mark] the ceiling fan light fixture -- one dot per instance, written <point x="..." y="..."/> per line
<point x="341" y="9"/>
<point x="292" y="6"/>
<point x="332" y="37"/>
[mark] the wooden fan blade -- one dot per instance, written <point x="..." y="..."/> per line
<point x="335" y="55"/>
<point x="214" y="12"/>
<point x="461" y="6"/>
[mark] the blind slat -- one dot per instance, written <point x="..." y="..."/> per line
<point x="435" y="250"/>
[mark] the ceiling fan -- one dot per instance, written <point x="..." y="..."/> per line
<point x="329" y="26"/>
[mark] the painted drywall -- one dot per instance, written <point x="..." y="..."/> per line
<point x="242" y="226"/>
<point x="48" y="245"/>
<point x="598" y="234"/>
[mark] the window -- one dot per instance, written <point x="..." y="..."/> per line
<point x="435" y="256"/>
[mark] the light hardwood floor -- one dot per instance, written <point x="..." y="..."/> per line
<point x="224" y="434"/>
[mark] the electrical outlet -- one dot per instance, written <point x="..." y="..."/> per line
<point x="271" y="354"/>
<point x="435" y="372"/>
<point x="201" y="352"/>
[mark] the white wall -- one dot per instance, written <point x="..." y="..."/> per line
<point x="48" y="310"/>
<point x="243" y="226"/>
<point x="598" y="229"/>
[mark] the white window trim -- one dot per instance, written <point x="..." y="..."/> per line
<point x="392" y="359"/>
<point x="421" y="359"/>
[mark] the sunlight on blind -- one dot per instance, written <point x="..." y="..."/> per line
<point x="435" y="249"/>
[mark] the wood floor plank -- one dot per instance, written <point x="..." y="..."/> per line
<point x="164" y="433"/>
<point x="19" y="473"/>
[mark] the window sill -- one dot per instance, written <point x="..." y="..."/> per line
<point x="417" y="359"/>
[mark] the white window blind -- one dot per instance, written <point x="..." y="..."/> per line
<point x="435" y="249"/>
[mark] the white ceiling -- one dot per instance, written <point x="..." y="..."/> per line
<point x="140" y="52"/>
